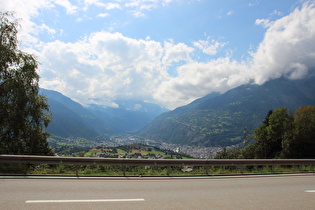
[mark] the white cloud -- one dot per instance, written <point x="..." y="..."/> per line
<point x="71" y="9"/>
<point x="138" y="7"/>
<point x="266" y="23"/>
<point x="103" y="67"/>
<point x="176" y="53"/>
<point x="103" y="15"/>
<point x="288" y="48"/>
<point x="25" y="11"/>
<point x="106" y="66"/>
<point x="147" y="4"/>
<point x="208" y="47"/>
<point x="197" y="79"/>
<point x="276" y="12"/>
<point x="45" y="28"/>
<point x="113" y="6"/>
<point x="137" y="13"/>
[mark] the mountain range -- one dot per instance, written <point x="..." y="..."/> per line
<point x="71" y="119"/>
<point x="214" y="120"/>
<point x="221" y="119"/>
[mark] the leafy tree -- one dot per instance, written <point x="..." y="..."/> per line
<point x="233" y="153"/>
<point x="281" y="135"/>
<point x="303" y="145"/>
<point x="251" y="151"/>
<point x="261" y="147"/>
<point x="272" y="134"/>
<point x="24" y="113"/>
<point x="277" y="129"/>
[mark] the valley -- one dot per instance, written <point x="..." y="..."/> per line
<point x="199" y="129"/>
<point x="77" y="146"/>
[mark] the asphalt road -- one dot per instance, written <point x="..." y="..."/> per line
<point x="244" y="192"/>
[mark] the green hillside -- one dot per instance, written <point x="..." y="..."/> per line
<point x="220" y="120"/>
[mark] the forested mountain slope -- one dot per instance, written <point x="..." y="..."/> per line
<point x="220" y="120"/>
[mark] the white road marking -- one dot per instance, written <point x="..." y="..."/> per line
<point x="84" y="201"/>
<point x="312" y="191"/>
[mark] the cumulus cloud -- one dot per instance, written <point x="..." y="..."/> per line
<point x="288" y="48"/>
<point x="108" y="66"/>
<point x="197" y="79"/>
<point x="103" y="66"/>
<point x="176" y="53"/>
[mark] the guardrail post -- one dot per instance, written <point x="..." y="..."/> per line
<point x="300" y="168"/>
<point x="25" y="169"/>
<point x="77" y="168"/>
<point x="168" y="171"/>
<point x="124" y="170"/>
<point x="242" y="169"/>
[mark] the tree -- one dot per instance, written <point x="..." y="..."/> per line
<point x="279" y="121"/>
<point x="273" y="137"/>
<point x="303" y="145"/>
<point x="24" y="113"/>
<point x="262" y="147"/>
<point x="233" y="153"/>
<point x="281" y="135"/>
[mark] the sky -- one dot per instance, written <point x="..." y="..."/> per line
<point x="168" y="52"/>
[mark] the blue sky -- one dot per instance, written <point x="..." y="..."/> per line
<point x="168" y="52"/>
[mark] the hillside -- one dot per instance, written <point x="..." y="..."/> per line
<point x="133" y="151"/>
<point x="71" y="119"/>
<point x="220" y="120"/>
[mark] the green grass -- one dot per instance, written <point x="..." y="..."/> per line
<point x="156" y="152"/>
<point x="45" y="169"/>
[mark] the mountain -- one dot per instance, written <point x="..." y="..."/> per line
<point x="220" y="120"/>
<point x="71" y="119"/>
<point x="131" y="116"/>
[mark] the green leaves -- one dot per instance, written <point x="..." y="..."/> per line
<point x="285" y="135"/>
<point x="23" y="112"/>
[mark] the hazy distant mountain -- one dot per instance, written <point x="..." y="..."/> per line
<point x="72" y="119"/>
<point x="219" y="120"/>
<point x="131" y="116"/>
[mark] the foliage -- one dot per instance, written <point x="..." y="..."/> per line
<point x="303" y="142"/>
<point x="281" y="135"/>
<point x="23" y="112"/>
<point x="233" y="153"/>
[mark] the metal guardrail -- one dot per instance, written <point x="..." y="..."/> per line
<point x="27" y="159"/>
